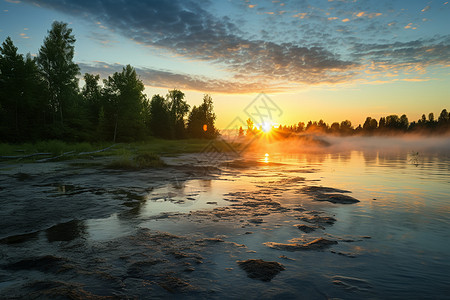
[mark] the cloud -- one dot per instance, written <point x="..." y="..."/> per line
<point x="186" y="29"/>
<point x="426" y="8"/>
<point x="410" y="57"/>
<point x="285" y="54"/>
<point x="170" y="80"/>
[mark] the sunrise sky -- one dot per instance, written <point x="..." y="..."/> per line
<point x="330" y="59"/>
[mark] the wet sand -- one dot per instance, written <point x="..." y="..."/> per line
<point x="77" y="230"/>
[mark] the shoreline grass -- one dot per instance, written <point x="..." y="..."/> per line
<point x="58" y="150"/>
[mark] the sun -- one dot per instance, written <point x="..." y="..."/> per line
<point x="266" y="127"/>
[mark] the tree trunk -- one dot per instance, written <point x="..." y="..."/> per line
<point x="115" y="130"/>
<point x="61" y="114"/>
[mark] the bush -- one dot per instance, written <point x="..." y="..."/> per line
<point x="140" y="161"/>
<point x="148" y="160"/>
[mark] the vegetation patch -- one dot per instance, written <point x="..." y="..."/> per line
<point x="138" y="162"/>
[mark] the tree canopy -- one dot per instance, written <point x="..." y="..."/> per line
<point x="41" y="99"/>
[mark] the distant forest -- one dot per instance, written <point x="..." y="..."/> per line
<point x="40" y="99"/>
<point x="389" y="125"/>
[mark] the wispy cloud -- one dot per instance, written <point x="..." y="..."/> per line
<point x="426" y="8"/>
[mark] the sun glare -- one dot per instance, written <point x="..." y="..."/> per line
<point x="266" y="127"/>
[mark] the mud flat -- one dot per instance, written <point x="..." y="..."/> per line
<point x="78" y="230"/>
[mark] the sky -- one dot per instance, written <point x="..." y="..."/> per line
<point x="326" y="59"/>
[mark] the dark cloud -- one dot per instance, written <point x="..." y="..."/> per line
<point x="169" y="80"/>
<point x="187" y="29"/>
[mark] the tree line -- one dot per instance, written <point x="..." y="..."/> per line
<point x="40" y="99"/>
<point x="391" y="124"/>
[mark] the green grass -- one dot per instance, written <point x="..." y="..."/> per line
<point x="54" y="147"/>
<point x="132" y="154"/>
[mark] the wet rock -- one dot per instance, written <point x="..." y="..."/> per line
<point x="209" y="240"/>
<point x="298" y="209"/>
<point x="346" y="254"/>
<point x="138" y="269"/>
<point x="285" y="257"/>
<point x="258" y="203"/>
<point x="306" y="228"/>
<point x="179" y="255"/>
<point x="288" y="181"/>
<point x="258" y="214"/>
<point x="260" y="269"/>
<point x="60" y="290"/>
<point x="66" y="231"/>
<point x="47" y="264"/>
<point x="320" y="220"/>
<point x="321" y="189"/>
<point x="20" y="238"/>
<point x="22" y="176"/>
<point x="336" y="198"/>
<point x="163" y="215"/>
<point x="332" y="195"/>
<point x="256" y="220"/>
<point x="317" y="244"/>
<point x="174" y="284"/>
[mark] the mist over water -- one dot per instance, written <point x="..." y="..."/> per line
<point x="410" y="143"/>
<point x="328" y="144"/>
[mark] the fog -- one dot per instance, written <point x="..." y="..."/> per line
<point x="413" y="143"/>
<point x="328" y="143"/>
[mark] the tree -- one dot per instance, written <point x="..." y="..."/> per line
<point x="241" y="131"/>
<point x="404" y="122"/>
<point x="346" y="127"/>
<point x="300" y="127"/>
<point x="92" y="95"/>
<point x="201" y="120"/>
<point x="59" y="71"/>
<point x="124" y="100"/>
<point x="370" y="125"/>
<point x="250" y="127"/>
<point x="178" y="109"/>
<point x="21" y="95"/>
<point x="382" y="123"/>
<point x="160" y="117"/>
<point x="11" y="69"/>
<point x="444" y="118"/>
<point x="392" y="122"/>
<point x="322" y="126"/>
<point x="335" y="127"/>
